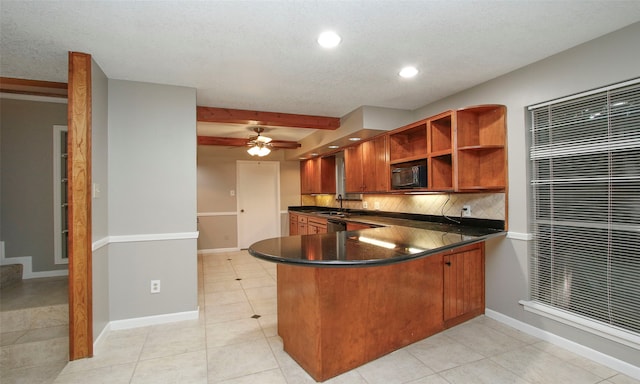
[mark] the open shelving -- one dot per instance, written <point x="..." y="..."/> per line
<point x="408" y="143"/>
<point x="440" y="140"/>
<point x="481" y="154"/>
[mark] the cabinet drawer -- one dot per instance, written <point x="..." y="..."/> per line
<point x="302" y="219"/>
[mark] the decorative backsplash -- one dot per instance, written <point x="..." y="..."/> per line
<point x="483" y="205"/>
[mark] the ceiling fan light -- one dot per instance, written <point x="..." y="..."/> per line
<point x="253" y="151"/>
<point x="263" y="151"/>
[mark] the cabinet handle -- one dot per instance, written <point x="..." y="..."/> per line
<point x="448" y="263"/>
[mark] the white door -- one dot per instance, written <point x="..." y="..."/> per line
<point x="258" y="197"/>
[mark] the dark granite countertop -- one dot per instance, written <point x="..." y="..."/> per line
<point x="399" y="239"/>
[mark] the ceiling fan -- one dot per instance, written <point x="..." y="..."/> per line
<point x="257" y="141"/>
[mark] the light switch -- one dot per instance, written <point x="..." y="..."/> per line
<point x="232" y="193"/>
<point x="96" y="190"/>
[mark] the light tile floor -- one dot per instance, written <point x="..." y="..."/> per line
<point x="226" y="345"/>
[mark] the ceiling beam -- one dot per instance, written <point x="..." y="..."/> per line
<point x="276" y="119"/>
<point x="33" y="87"/>
<point x="240" y="142"/>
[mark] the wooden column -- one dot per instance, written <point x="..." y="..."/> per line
<point x="79" y="214"/>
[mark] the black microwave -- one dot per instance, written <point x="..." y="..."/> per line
<point x="413" y="176"/>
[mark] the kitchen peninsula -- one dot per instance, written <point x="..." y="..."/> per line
<point x="349" y="297"/>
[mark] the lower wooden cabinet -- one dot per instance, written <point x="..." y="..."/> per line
<point x="293" y="224"/>
<point x="463" y="277"/>
<point x="357" y="226"/>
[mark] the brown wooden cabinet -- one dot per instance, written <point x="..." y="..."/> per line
<point x="440" y="139"/>
<point x="293" y="224"/>
<point x="463" y="276"/>
<point x="316" y="225"/>
<point x="318" y="175"/>
<point x="356" y="226"/>
<point x="481" y="148"/>
<point x="366" y="166"/>
<point x="302" y="224"/>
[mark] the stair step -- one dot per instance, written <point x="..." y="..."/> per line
<point x="36" y="347"/>
<point x="32" y="318"/>
<point x="10" y="274"/>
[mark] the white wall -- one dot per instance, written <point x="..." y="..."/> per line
<point x="152" y="199"/>
<point x="606" y="60"/>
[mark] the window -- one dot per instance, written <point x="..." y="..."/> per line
<point x="60" y="206"/>
<point x="585" y="219"/>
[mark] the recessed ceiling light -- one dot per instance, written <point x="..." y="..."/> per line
<point x="314" y="154"/>
<point x="329" y="39"/>
<point x="354" y="138"/>
<point x="334" y="146"/>
<point x="408" y="72"/>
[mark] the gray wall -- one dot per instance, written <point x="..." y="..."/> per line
<point x="152" y="191"/>
<point x="100" y="204"/>
<point x="26" y="147"/>
<point x="606" y="60"/>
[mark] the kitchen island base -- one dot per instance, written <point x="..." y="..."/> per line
<point x="332" y="320"/>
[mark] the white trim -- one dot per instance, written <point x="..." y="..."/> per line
<point x="153" y="237"/>
<point x="99" y="243"/>
<point x="599" y="357"/>
<point x="217" y="250"/>
<point x="284" y="212"/>
<point x="519" y="236"/>
<point x="27" y="266"/>
<point x="608" y="332"/>
<point x="57" y="198"/>
<point x="143" y="237"/>
<point x="137" y="322"/>
<point x="47" y="99"/>
<point x="102" y="336"/>
<point x="207" y="214"/>
<point x="587" y="93"/>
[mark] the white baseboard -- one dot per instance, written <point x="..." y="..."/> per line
<point x="217" y="250"/>
<point x="103" y="334"/>
<point x="117" y="325"/>
<point x="27" y="266"/>
<point x="599" y="357"/>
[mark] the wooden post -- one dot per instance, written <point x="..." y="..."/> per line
<point x="79" y="214"/>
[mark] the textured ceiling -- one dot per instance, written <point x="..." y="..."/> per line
<point x="262" y="55"/>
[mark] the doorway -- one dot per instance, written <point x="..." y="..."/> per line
<point x="258" y="201"/>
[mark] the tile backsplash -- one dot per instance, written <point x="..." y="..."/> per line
<point x="483" y="205"/>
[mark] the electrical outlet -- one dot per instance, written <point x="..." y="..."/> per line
<point x="365" y="205"/>
<point x="155" y="286"/>
<point x="376" y="205"/>
<point x="466" y="210"/>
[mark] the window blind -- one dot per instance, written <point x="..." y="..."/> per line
<point x="585" y="201"/>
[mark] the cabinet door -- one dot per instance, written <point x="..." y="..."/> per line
<point x="307" y="176"/>
<point x="463" y="284"/>
<point x="375" y="165"/>
<point x="353" y="169"/>
<point x="293" y="224"/>
<point x="357" y="226"/>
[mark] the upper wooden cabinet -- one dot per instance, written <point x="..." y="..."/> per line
<point x="440" y="134"/>
<point x="318" y="175"/>
<point x="366" y="166"/>
<point x="408" y="143"/>
<point x="481" y="148"/>
<point x="464" y="151"/>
